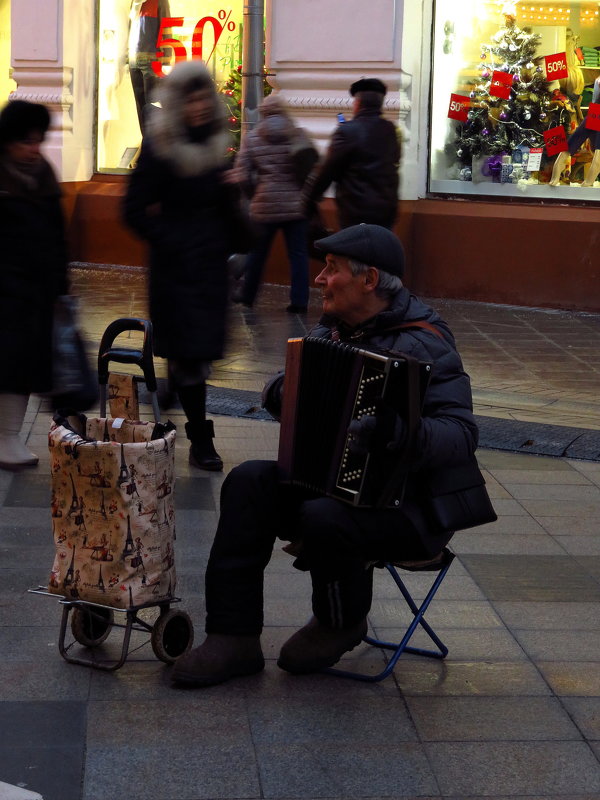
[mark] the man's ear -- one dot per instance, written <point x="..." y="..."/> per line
<point x="371" y="278"/>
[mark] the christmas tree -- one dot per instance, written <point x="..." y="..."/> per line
<point x="232" y="91"/>
<point x="499" y="125"/>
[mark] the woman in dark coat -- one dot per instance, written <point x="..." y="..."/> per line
<point x="179" y="202"/>
<point x="33" y="270"/>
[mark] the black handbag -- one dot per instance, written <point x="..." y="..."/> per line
<point x="75" y="385"/>
<point x="243" y="232"/>
<point x="456" y="498"/>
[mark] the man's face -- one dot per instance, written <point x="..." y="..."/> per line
<point x="344" y="294"/>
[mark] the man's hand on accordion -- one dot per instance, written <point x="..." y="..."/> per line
<point x="370" y="434"/>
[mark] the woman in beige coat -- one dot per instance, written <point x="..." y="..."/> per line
<point x="267" y="165"/>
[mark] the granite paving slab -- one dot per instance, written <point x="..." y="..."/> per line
<point x="533" y="577"/>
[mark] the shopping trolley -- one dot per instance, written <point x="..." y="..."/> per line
<point x="113" y="521"/>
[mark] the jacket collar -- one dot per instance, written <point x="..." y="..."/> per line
<point x="368" y="112"/>
<point x="393" y="315"/>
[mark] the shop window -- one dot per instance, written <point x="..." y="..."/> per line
<point x="7" y="85"/>
<point x="139" y="41"/>
<point x="516" y="99"/>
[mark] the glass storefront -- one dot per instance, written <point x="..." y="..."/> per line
<point x="7" y="85"/>
<point x="516" y="99"/>
<point x="139" y="41"/>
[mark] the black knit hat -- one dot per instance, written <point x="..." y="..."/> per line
<point x="19" y="119"/>
<point x="371" y="244"/>
<point x="368" y="85"/>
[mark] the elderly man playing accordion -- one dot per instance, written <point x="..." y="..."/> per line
<point x="365" y="304"/>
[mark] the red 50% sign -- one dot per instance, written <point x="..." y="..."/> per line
<point x="218" y="24"/>
<point x="556" y="66"/>
<point x="459" y="107"/>
<point x="555" y="140"/>
<point x="501" y="83"/>
<point x="592" y="120"/>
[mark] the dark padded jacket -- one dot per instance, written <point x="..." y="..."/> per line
<point x="447" y="434"/>
<point x="266" y="155"/>
<point x="363" y="162"/>
<point x="33" y="272"/>
<point x="178" y="202"/>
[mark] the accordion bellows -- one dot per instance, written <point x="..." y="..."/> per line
<point x="328" y="385"/>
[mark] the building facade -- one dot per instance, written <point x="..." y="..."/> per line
<point x="492" y="99"/>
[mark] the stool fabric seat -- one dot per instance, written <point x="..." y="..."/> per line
<point x="440" y="565"/>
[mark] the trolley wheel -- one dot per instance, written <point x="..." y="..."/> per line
<point x="91" y="626"/>
<point x="172" y="635"/>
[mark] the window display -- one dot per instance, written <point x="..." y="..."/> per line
<point x="516" y="99"/>
<point x="7" y="85"/>
<point x="139" y="41"/>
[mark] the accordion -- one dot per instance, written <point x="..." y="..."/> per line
<point x="327" y="385"/>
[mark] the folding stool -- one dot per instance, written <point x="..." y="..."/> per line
<point x="440" y="566"/>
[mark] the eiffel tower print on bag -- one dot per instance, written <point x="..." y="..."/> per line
<point x="112" y="511"/>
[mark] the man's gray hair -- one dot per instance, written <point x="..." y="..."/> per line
<point x="388" y="284"/>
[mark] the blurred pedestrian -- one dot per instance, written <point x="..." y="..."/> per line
<point x="33" y="270"/>
<point x="178" y="201"/>
<point x="274" y="161"/>
<point x="363" y="161"/>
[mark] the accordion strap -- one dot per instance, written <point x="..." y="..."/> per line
<point x="417" y="323"/>
<point x="393" y="491"/>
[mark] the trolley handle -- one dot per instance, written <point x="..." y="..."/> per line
<point x="127" y="355"/>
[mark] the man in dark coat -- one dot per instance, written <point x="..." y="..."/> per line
<point x="363" y="162"/>
<point x="364" y="303"/>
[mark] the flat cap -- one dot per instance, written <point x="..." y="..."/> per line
<point x="368" y="85"/>
<point x="373" y="245"/>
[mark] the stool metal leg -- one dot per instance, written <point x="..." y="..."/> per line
<point x="402" y="646"/>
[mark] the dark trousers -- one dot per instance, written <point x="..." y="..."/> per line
<point x="143" y="81"/>
<point x="295" y="233"/>
<point x="338" y="542"/>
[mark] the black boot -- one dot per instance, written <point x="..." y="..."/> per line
<point x="202" y="449"/>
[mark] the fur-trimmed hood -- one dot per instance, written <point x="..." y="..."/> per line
<point x="168" y="134"/>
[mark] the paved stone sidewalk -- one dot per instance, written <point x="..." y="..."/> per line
<point x="512" y="712"/>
